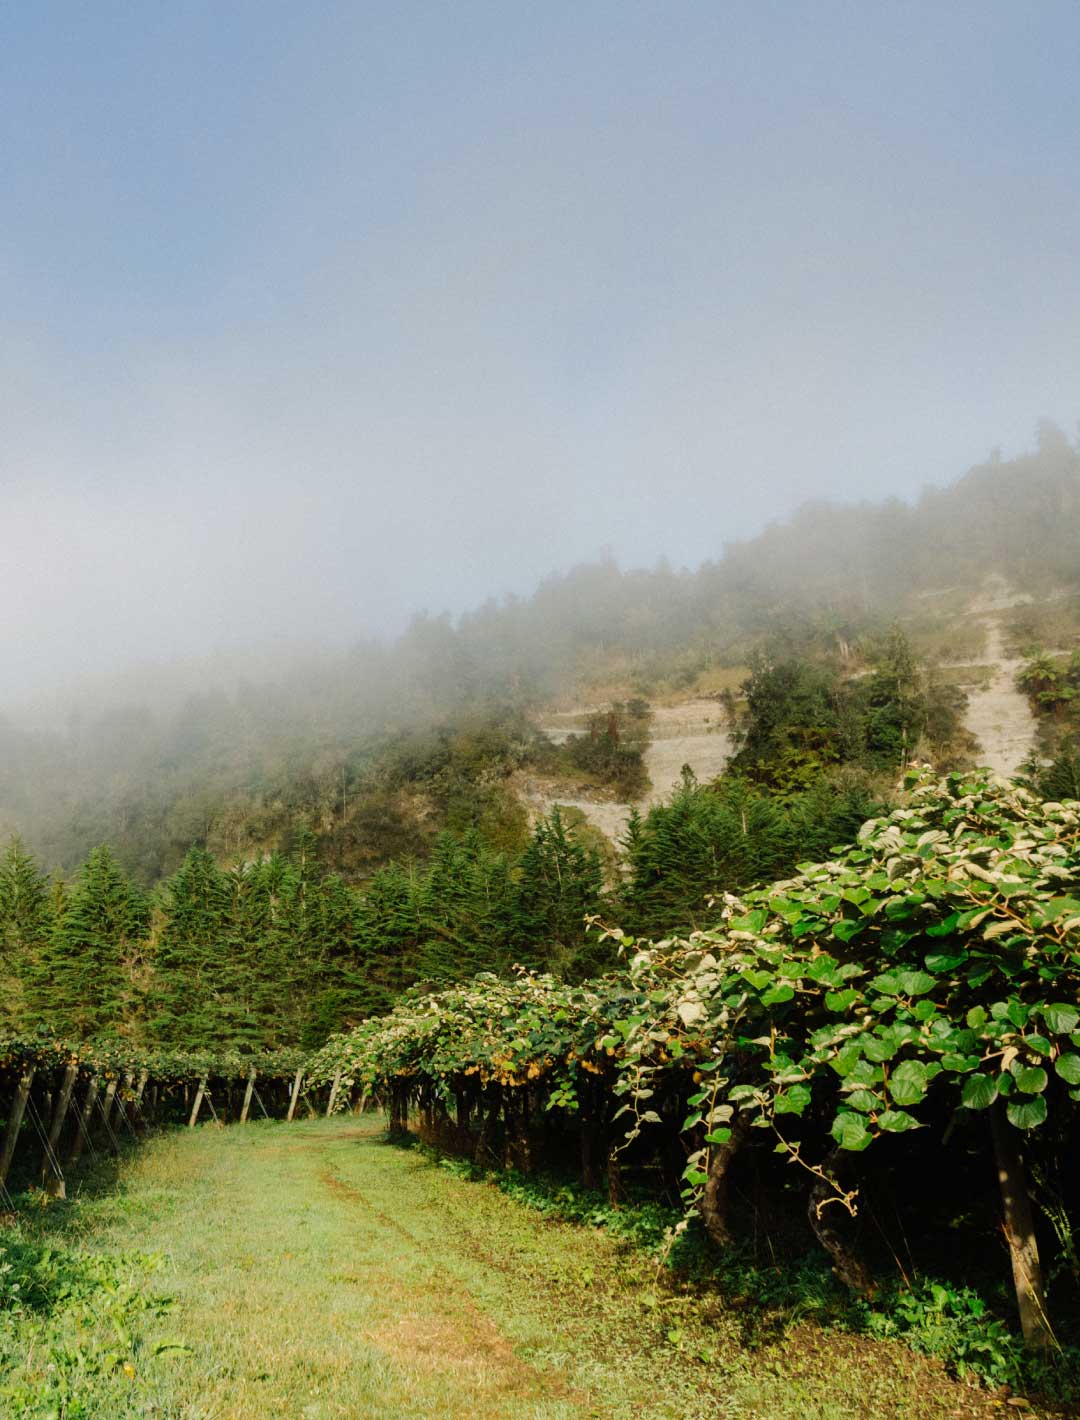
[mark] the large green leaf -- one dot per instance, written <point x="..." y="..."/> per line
<point x="1026" y="1113"/>
<point x="1032" y="1080"/>
<point x="941" y="962"/>
<point x="1068" y="1067"/>
<point x="793" y="1100"/>
<point x="916" y="983"/>
<point x="896" y="1121"/>
<point x="909" y="1082"/>
<point x="887" y="982"/>
<point x="850" y="1132"/>
<point x="1061" y="1019"/>
<point x="979" y="1092"/>
<point x="862" y="1100"/>
<point x="776" y="995"/>
<point x="840" y="1001"/>
<point x="881" y="1047"/>
<point x="848" y="928"/>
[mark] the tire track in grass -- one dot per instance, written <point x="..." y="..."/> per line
<point x="455" y="1338"/>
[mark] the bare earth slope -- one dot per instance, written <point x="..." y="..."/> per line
<point x="689" y="733"/>
<point x="692" y="733"/>
<point x="998" y="714"/>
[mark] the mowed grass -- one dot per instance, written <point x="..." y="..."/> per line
<point x="318" y="1272"/>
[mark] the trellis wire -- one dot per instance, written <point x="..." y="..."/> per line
<point x="108" y="1126"/>
<point x="50" y="1156"/>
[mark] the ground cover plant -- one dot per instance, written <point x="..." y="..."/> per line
<point x="312" y="1270"/>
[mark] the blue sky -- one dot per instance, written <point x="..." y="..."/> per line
<point x="317" y="314"/>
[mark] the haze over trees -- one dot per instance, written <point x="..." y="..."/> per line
<point x="291" y="857"/>
<point x="377" y="749"/>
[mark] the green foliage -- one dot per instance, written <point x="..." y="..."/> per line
<point x="70" y="1321"/>
<point x="1052" y="683"/>
<point x="26" y="922"/>
<point x="191" y="953"/>
<point x="956" y="1325"/>
<point x="83" y="981"/>
<point x="804" y="718"/>
<point x="708" y="840"/>
<point x="560" y="884"/>
<point x="1060" y="779"/>
<point x="279" y="952"/>
<point x="612" y="749"/>
<point x="644" y="1222"/>
<point x="937" y="1318"/>
<point x="933" y="966"/>
<point x="265" y="956"/>
<point x="936" y="957"/>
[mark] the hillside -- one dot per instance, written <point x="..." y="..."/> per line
<point x="457" y="725"/>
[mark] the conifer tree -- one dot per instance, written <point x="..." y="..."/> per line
<point x="711" y="839"/>
<point x="389" y="925"/>
<point x="293" y="941"/>
<point x="342" y="989"/>
<point x="561" y="883"/>
<point x="25" y="923"/>
<point x="466" y="909"/>
<point x="247" y="969"/>
<point x="259" y="995"/>
<point x="84" y="983"/>
<point x="191" y="976"/>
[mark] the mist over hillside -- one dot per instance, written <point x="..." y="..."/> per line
<point x="262" y="746"/>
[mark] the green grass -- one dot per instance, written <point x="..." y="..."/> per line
<point x="313" y="1271"/>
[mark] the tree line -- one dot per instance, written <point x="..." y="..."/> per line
<point x="279" y="950"/>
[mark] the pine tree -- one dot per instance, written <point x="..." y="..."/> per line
<point x="561" y="882"/>
<point x="466" y="909"/>
<point x="711" y="839"/>
<point x="247" y="969"/>
<point x="260" y="983"/>
<point x="294" y="940"/>
<point x="84" y="983"/>
<point x="191" y="974"/>
<point x="25" y="923"/>
<point x="390" y="927"/>
<point x="342" y="989"/>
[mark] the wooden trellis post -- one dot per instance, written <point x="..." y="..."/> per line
<point x="140" y="1090"/>
<point x="249" y="1090"/>
<point x="83" y="1121"/>
<point x="198" y="1102"/>
<point x="295" y="1097"/>
<point x="333" y="1094"/>
<point x="55" y="1185"/>
<point x="11" y="1133"/>
<point x="106" y="1117"/>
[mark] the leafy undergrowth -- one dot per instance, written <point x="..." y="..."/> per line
<point x="72" y="1321"/>
<point x="932" y="1316"/>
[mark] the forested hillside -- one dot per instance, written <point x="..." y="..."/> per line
<point x="263" y="867"/>
<point x="277" y="949"/>
<point x="377" y="750"/>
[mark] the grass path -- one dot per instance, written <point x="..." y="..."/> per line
<point x="319" y="1273"/>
